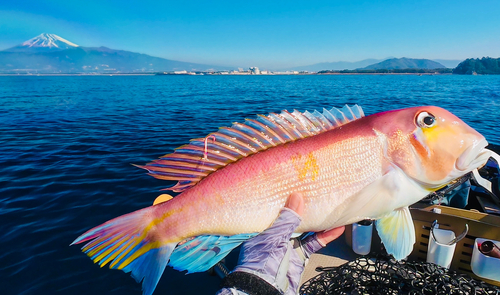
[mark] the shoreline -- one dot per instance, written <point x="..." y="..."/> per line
<point x="154" y="74"/>
<point x="75" y="74"/>
<point x="415" y="74"/>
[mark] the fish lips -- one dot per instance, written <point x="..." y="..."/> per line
<point x="473" y="157"/>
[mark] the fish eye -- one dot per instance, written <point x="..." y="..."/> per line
<point x="425" y="120"/>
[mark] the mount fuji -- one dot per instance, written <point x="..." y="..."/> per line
<point x="49" y="53"/>
<point x="43" y="42"/>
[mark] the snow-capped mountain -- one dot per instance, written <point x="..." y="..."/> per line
<point x="43" y="42"/>
<point x="49" y="53"/>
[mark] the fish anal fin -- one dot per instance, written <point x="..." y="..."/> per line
<point x="203" y="252"/>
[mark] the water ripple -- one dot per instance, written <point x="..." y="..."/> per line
<point x="68" y="144"/>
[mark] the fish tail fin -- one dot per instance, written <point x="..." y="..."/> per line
<point x="129" y="243"/>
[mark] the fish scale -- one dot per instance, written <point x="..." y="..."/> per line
<point x="344" y="168"/>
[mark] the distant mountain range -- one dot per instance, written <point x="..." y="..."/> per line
<point x="405" y="63"/>
<point x="335" y="66"/>
<point x="389" y="63"/>
<point x="49" y="53"/>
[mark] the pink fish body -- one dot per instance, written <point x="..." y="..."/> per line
<point x="348" y="169"/>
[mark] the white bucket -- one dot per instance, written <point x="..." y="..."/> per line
<point x="441" y="253"/>
<point x="362" y="237"/>
<point x="485" y="266"/>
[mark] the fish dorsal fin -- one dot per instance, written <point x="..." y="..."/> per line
<point x="192" y="162"/>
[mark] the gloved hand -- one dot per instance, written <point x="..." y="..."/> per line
<point x="272" y="264"/>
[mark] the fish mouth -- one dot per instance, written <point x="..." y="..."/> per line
<point x="473" y="157"/>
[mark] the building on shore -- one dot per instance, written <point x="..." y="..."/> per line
<point x="240" y="73"/>
<point x="254" y="70"/>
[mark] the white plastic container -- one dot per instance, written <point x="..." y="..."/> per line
<point x="485" y="266"/>
<point x="439" y="252"/>
<point x="362" y="237"/>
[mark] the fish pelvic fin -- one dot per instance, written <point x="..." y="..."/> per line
<point x="129" y="243"/>
<point x="192" y="162"/>
<point x="397" y="232"/>
<point x="394" y="226"/>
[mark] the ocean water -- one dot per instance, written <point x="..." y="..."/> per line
<point x="67" y="144"/>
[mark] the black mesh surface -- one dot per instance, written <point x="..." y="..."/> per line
<point x="385" y="275"/>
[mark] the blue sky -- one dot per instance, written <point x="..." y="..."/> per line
<point x="267" y="34"/>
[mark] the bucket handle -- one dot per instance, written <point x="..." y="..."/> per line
<point x="455" y="240"/>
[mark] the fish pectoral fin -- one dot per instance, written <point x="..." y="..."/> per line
<point x="397" y="232"/>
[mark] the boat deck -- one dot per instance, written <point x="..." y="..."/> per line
<point x="484" y="225"/>
<point x="334" y="254"/>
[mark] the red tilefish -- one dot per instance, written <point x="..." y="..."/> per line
<point x="233" y="183"/>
